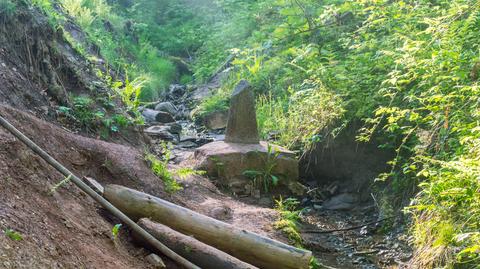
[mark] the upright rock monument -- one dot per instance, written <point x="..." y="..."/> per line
<point x="242" y="118"/>
<point x="242" y="149"/>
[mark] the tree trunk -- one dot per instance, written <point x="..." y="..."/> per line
<point x="193" y="250"/>
<point x="247" y="246"/>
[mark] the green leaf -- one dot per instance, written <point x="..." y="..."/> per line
<point x="251" y="173"/>
<point x="274" y="180"/>
<point x="15" y="236"/>
<point x="116" y="230"/>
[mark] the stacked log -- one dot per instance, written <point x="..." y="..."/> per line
<point x="247" y="246"/>
<point x="193" y="250"/>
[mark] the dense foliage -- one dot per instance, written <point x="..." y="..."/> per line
<point x="408" y="69"/>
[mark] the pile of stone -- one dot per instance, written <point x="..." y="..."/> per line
<point x="169" y="120"/>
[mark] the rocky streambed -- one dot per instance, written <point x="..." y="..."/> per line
<point x="343" y="229"/>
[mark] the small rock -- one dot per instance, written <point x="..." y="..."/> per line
<point x="297" y="188"/>
<point x="175" y="128"/>
<point x="265" y="201"/>
<point x="218" y="137"/>
<point x="166" y="107"/>
<point x="187" y="144"/>
<point x="156" y="261"/>
<point x="256" y="194"/>
<point x="188" y="138"/>
<point x="160" y="131"/>
<point x="182" y="112"/>
<point x="203" y="140"/>
<point x="221" y="213"/>
<point x="344" y="201"/>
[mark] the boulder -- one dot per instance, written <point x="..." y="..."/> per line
<point x="228" y="162"/>
<point x="216" y="120"/>
<point x="151" y="115"/>
<point x="242" y="119"/>
<point x="166" y="107"/>
<point x="160" y="131"/>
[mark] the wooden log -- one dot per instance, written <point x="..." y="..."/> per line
<point x="247" y="246"/>
<point x="193" y="250"/>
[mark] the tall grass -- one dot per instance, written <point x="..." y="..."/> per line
<point x="83" y="15"/>
<point x="298" y="119"/>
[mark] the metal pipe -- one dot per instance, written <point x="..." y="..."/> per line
<point x="102" y="201"/>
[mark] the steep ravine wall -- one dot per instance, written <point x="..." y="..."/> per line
<point x="350" y="164"/>
<point x="37" y="66"/>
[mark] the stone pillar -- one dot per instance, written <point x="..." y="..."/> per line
<point x="242" y="118"/>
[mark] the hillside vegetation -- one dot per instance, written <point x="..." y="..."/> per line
<point x="408" y="70"/>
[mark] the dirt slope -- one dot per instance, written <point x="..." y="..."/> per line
<point x="66" y="229"/>
<point x="63" y="230"/>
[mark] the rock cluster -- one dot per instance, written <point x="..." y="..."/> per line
<point x="169" y="120"/>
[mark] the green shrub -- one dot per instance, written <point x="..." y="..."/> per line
<point x="76" y="8"/>
<point x="7" y="8"/>
<point x="13" y="235"/>
<point x="289" y="218"/>
<point x="265" y="179"/>
<point x="160" y="168"/>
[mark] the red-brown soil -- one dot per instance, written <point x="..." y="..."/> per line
<point x="67" y="229"/>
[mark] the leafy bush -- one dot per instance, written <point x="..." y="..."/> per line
<point x="83" y="15"/>
<point x="265" y="179"/>
<point x="160" y="168"/>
